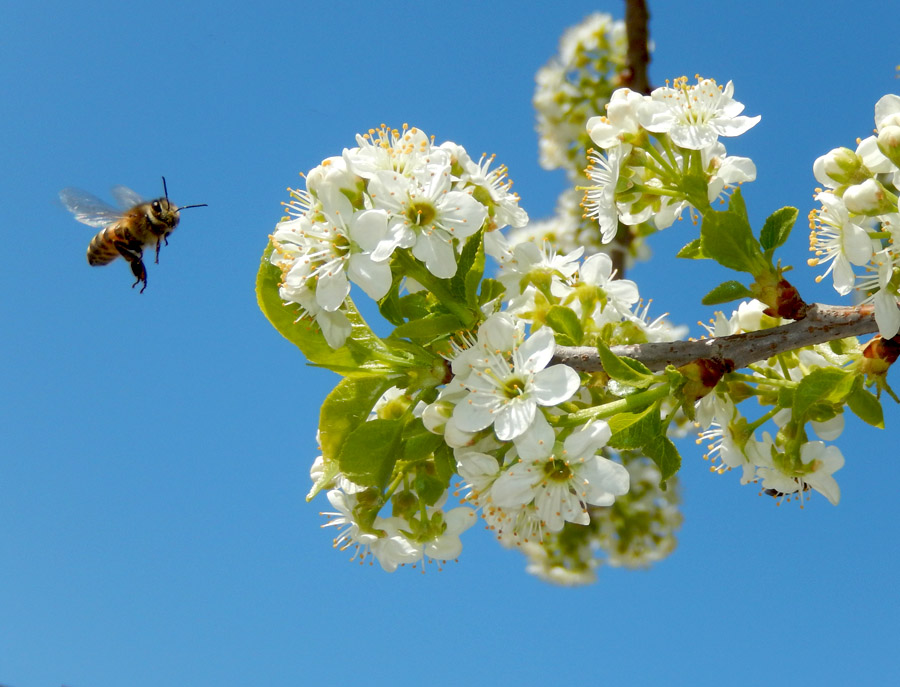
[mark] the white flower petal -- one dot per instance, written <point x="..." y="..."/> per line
<point x="555" y="384"/>
<point x="887" y="315"/>
<point x="536" y="442"/>
<point x="514" y="419"/>
<point x="515" y="487"/>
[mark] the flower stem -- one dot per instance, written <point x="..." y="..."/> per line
<point x="438" y="287"/>
<point x="633" y="402"/>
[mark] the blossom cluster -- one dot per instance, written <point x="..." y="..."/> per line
<point x="398" y="210"/>
<point x="469" y="395"/>
<point x="858" y="223"/>
<point x="634" y="532"/>
<point x="528" y="476"/>
<point x="573" y="86"/>
<point x="652" y="144"/>
<point x="395" y="192"/>
<point x="791" y="463"/>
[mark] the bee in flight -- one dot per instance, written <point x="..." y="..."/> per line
<point x="126" y="231"/>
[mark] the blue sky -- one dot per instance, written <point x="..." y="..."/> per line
<point x="155" y="447"/>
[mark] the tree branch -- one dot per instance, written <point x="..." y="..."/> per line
<point x="633" y="76"/>
<point x="822" y="323"/>
<point x="637" y="58"/>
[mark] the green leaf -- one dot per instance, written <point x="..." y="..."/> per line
<point x="633" y="430"/>
<point x="346" y="407"/>
<point x="777" y="228"/>
<point x="726" y="292"/>
<point x="737" y="205"/>
<point x="566" y="325"/>
<point x="491" y="289"/>
<point x="418" y="442"/>
<point x="726" y="237"/>
<point x="865" y="405"/>
<point x="390" y="305"/>
<point x="368" y="455"/>
<point x="475" y="270"/>
<point x="692" y="251"/>
<point x="353" y="357"/>
<point x="444" y="462"/>
<point x="822" y="385"/>
<point x="414" y="306"/>
<point x="429" y="328"/>
<point x="469" y="269"/>
<point x="662" y="451"/>
<point x="625" y="370"/>
<point x="429" y="487"/>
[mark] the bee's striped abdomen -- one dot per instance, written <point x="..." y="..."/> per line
<point x="102" y="249"/>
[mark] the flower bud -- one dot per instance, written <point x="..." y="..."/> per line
<point x="837" y="167"/>
<point x="456" y="437"/>
<point x="702" y="376"/>
<point x="867" y="198"/>
<point x="887" y="111"/>
<point x="889" y="143"/>
<point x="435" y="416"/>
<point x="781" y="297"/>
<point x="879" y="355"/>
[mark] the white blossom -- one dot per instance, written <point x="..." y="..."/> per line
<point x="561" y="481"/>
<point x="694" y="116"/>
<point x="506" y="383"/>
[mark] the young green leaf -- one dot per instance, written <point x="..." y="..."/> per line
<point x="777" y="229"/>
<point x="625" y="370"/>
<point x="430" y="487"/>
<point x="822" y="385"/>
<point x="444" y="462"/>
<point x="566" y="325"/>
<point x="726" y="292"/>
<point x="633" y="430"/>
<point x="418" y="442"/>
<point x="368" y="455"/>
<point x="726" y="237"/>
<point x="355" y="355"/>
<point x="346" y="407"/>
<point x="469" y="270"/>
<point x="429" y="328"/>
<point x="491" y="289"/>
<point x="865" y="405"/>
<point x="474" y="270"/>
<point x="692" y="251"/>
<point x="662" y="451"/>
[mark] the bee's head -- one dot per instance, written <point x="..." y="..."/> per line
<point x="165" y="212"/>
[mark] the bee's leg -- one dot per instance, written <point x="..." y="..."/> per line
<point x="164" y="239"/>
<point x="133" y="253"/>
<point x="140" y="273"/>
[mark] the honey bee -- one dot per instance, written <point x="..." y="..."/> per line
<point x="126" y="232"/>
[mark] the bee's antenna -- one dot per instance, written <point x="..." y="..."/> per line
<point x="185" y="207"/>
<point x="165" y="189"/>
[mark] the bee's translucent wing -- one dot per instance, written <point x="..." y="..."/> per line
<point x="88" y="209"/>
<point x="125" y="197"/>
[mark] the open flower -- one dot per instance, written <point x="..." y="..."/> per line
<point x="620" y="121"/>
<point x="694" y="116"/>
<point x="426" y="216"/>
<point x="322" y="249"/>
<point x="507" y="380"/>
<point x="600" y="199"/>
<point x="561" y="480"/>
<point x="818" y="463"/>
<point x="840" y="239"/>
